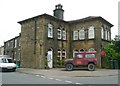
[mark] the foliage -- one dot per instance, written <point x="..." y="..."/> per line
<point x="117" y="46"/>
<point x="112" y="50"/>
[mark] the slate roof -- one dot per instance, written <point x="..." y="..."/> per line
<point x="72" y="21"/>
<point x="90" y="18"/>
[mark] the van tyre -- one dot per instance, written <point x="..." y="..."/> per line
<point x="69" y="67"/>
<point x="91" y="67"/>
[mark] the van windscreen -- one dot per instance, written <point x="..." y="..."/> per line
<point x="10" y="61"/>
<point x="4" y="60"/>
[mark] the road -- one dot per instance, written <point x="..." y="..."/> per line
<point x="21" y="78"/>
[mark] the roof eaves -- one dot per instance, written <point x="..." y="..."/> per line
<point x="83" y="19"/>
<point x="47" y="15"/>
<point x="32" y="18"/>
<point x="102" y="19"/>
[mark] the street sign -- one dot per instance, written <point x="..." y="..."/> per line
<point x="102" y="53"/>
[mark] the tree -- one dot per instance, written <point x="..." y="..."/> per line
<point x="117" y="46"/>
<point x="112" y="52"/>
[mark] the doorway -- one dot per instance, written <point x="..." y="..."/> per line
<point x="50" y="58"/>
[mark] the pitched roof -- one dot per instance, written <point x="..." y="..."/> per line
<point x="46" y="15"/>
<point x="72" y="21"/>
<point x="90" y="18"/>
<point x="83" y="19"/>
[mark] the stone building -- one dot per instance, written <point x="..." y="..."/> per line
<point x="47" y="40"/>
<point x="12" y="48"/>
<point x="2" y="50"/>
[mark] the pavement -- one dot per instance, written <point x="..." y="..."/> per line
<point x="75" y="73"/>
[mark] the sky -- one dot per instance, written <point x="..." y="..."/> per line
<point x="13" y="11"/>
<point x="119" y="18"/>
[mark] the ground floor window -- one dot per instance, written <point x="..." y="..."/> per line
<point x="75" y="51"/>
<point x="61" y="56"/>
<point x="91" y="50"/>
<point x="82" y="50"/>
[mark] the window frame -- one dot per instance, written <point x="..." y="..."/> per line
<point x="8" y="44"/>
<point x="75" y="51"/>
<point x="11" y="43"/>
<point x="102" y="32"/>
<point x="63" y="53"/>
<point x="59" y="34"/>
<point x="63" y="35"/>
<point x="106" y="34"/>
<point x="109" y="35"/>
<point x="75" y="35"/>
<point x="91" y="50"/>
<point x="91" y="32"/>
<point x="50" y="31"/>
<point x="15" y="43"/>
<point x="81" y="34"/>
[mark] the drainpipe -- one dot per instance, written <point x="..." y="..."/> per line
<point x="35" y="22"/>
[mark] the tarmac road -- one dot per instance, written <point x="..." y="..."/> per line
<point x="59" y="76"/>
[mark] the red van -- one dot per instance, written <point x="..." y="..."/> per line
<point x="82" y="59"/>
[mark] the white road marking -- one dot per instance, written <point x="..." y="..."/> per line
<point x="43" y="76"/>
<point x="51" y="78"/>
<point x="37" y="75"/>
<point x="78" y="83"/>
<point x="68" y="81"/>
<point x="58" y="79"/>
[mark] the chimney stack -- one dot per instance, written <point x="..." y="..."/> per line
<point x="58" y="12"/>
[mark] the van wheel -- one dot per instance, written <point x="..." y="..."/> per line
<point x="91" y="67"/>
<point x="69" y="67"/>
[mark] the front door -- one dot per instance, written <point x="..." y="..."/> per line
<point x="50" y="58"/>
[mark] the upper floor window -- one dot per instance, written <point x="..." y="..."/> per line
<point x="15" y="43"/>
<point x="64" y="35"/>
<point x="19" y="43"/>
<point x="102" y="33"/>
<point x="8" y="44"/>
<point x="11" y="44"/>
<point x="106" y="35"/>
<point x="91" y="34"/>
<point x="59" y="34"/>
<point x="75" y="35"/>
<point x="82" y="34"/>
<point x="50" y="31"/>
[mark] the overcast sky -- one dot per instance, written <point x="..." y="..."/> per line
<point x="12" y="11"/>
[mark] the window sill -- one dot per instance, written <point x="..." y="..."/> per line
<point x="105" y="40"/>
<point x="49" y="38"/>
<point x="91" y="39"/>
<point x="61" y="40"/>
